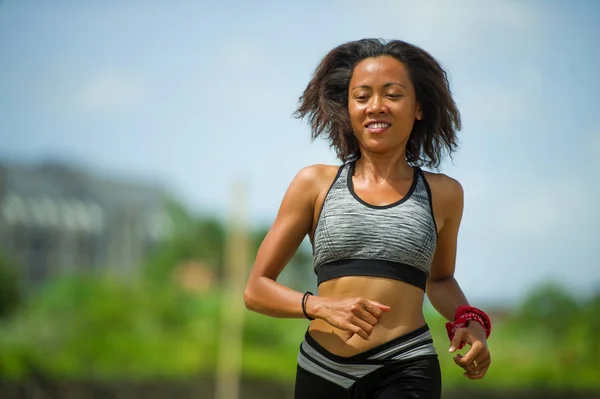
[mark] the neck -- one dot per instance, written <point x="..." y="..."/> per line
<point x="383" y="166"/>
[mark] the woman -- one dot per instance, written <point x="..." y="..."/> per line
<point x="384" y="232"/>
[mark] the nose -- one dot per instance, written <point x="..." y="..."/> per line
<point x="376" y="106"/>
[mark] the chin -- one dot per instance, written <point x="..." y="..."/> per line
<point x="379" y="148"/>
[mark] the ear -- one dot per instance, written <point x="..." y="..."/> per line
<point x="419" y="115"/>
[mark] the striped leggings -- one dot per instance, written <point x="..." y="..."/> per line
<point x="406" y="367"/>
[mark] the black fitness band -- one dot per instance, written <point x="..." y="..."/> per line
<point x="306" y="294"/>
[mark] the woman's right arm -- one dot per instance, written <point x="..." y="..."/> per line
<point x="293" y="222"/>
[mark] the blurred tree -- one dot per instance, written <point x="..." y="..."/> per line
<point x="202" y="238"/>
<point x="297" y="272"/>
<point x="591" y="317"/>
<point x="89" y="327"/>
<point x="550" y="308"/>
<point x="81" y="327"/>
<point x="9" y="289"/>
<point x="193" y="238"/>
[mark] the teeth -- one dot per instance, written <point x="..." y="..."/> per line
<point x="378" y="125"/>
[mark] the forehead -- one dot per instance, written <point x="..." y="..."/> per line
<point x="382" y="68"/>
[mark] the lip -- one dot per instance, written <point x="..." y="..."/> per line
<point x="379" y="129"/>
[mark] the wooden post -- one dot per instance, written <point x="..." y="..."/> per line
<point x="232" y="305"/>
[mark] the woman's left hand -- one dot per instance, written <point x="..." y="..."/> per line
<point x="477" y="360"/>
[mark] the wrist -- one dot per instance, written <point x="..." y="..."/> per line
<point x="467" y="317"/>
<point x="477" y="326"/>
<point x="314" y="306"/>
<point x="304" y="304"/>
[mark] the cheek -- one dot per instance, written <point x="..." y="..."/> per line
<point x="356" y="115"/>
<point x="406" y="113"/>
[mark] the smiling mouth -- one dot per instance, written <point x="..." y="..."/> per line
<point x="377" y="127"/>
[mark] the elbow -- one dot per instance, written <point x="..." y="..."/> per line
<point x="254" y="297"/>
<point x="437" y="282"/>
<point x="249" y="299"/>
<point x="440" y="279"/>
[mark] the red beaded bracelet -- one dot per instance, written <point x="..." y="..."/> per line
<point x="461" y="319"/>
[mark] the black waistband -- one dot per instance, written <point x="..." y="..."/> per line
<point x="364" y="356"/>
<point x="372" y="268"/>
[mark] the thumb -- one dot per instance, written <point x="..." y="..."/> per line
<point x="456" y="340"/>
<point x="381" y="306"/>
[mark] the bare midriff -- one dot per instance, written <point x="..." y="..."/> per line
<point x="406" y="314"/>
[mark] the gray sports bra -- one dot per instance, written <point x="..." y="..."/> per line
<point x="354" y="238"/>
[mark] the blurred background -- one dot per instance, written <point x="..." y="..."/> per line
<point x="145" y="147"/>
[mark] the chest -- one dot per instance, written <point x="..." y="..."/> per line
<point x="349" y="223"/>
<point x="403" y="233"/>
<point x="380" y="194"/>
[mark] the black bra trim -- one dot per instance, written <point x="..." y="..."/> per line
<point x="372" y="268"/>
<point x="409" y="194"/>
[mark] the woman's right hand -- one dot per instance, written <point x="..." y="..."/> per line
<point x="356" y="315"/>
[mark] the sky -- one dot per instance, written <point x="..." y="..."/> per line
<point x="199" y="95"/>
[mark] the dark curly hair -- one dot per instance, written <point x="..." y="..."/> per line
<point x="325" y="100"/>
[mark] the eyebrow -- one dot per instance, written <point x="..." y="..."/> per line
<point x="385" y="85"/>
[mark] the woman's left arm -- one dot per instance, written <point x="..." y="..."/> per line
<point x="443" y="290"/>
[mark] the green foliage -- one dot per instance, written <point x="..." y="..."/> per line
<point x="591" y="330"/>
<point x="204" y="239"/>
<point x="9" y="289"/>
<point x="84" y="328"/>
<point x="88" y="327"/>
<point x="193" y="238"/>
<point x="81" y="327"/>
<point x="550" y="310"/>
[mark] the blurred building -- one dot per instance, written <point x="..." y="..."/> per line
<point x="60" y="218"/>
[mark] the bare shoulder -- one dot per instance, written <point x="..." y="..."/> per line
<point x="316" y="177"/>
<point x="446" y="185"/>
<point x="447" y="193"/>
<point x="308" y="186"/>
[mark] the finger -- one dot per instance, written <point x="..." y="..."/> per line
<point x="365" y="315"/>
<point x="353" y="328"/>
<point x="459" y="362"/>
<point x="479" y="374"/>
<point x="476" y="348"/>
<point x="361" y="310"/>
<point x="376" y="308"/>
<point x="480" y="364"/>
<point x="381" y="306"/>
<point x="456" y="340"/>
<point x="472" y="369"/>
<point x="483" y="359"/>
<point x="475" y="368"/>
<point x="364" y="328"/>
